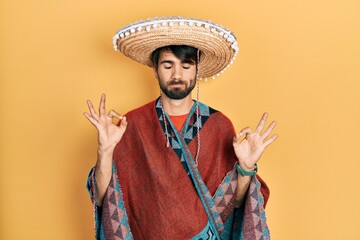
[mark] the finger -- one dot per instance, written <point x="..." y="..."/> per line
<point x="269" y="129"/>
<point x="102" y="105"/>
<point x="112" y="114"/>
<point x="243" y="131"/>
<point x="91" y="119"/>
<point x="270" y="140"/>
<point x="246" y="131"/>
<point x="261" y="124"/>
<point x="91" y="109"/>
<point x="123" y="122"/>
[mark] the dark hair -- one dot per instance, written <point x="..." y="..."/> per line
<point x="186" y="54"/>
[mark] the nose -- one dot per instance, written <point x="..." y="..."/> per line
<point x="177" y="72"/>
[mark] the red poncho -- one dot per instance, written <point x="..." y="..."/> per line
<point x="157" y="192"/>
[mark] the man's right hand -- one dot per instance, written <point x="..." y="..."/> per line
<point x="109" y="135"/>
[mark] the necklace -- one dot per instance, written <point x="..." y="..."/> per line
<point x="198" y="119"/>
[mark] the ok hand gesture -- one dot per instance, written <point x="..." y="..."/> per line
<point x="249" y="149"/>
<point x="109" y="134"/>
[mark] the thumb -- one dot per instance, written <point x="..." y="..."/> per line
<point x="237" y="138"/>
<point x="123" y="122"/>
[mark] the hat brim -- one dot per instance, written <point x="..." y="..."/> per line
<point x="218" y="46"/>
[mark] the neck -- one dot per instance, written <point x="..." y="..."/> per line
<point x="177" y="107"/>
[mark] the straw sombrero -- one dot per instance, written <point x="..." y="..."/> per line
<point x="218" y="45"/>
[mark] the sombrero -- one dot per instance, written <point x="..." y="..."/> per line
<point x="217" y="44"/>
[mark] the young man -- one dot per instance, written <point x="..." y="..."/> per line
<point x="175" y="168"/>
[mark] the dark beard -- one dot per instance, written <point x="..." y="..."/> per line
<point x="177" y="93"/>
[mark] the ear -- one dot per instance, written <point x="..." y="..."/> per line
<point x="155" y="73"/>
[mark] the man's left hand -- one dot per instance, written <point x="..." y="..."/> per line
<point x="249" y="149"/>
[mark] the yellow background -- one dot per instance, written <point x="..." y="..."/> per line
<point x="298" y="60"/>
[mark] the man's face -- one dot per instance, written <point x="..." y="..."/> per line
<point x="176" y="79"/>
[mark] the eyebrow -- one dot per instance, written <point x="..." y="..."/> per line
<point x="167" y="61"/>
<point x="172" y="62"/>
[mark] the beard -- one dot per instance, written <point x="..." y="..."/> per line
<point x="176" y="93"/>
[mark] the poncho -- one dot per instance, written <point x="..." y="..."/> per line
<point x="157" y="192"/>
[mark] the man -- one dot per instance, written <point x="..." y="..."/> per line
<point x="175" y="168"/>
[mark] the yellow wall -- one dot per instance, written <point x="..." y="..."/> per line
<point x="299" y="60"/>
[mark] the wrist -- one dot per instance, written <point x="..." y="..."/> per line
<point x="245" y="171"/>
<point x="247" y="168"/>
<point x="104" y="156"/>
<point x="105" y="150"/>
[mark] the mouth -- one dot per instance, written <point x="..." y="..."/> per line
<point x="176" y="84"/>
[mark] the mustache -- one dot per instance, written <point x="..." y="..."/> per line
<point x="174" y="82"/>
